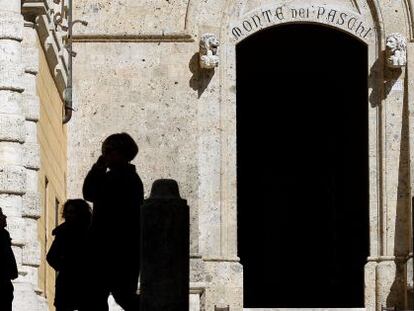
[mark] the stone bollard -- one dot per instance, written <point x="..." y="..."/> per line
<point x="165" y="249"/>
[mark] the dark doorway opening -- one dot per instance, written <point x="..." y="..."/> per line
<point x="302" y="143"/>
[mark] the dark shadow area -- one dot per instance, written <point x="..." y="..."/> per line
<point x="8" y="266"/>
<point x="201" y="77"/>
<point x="402" y="239"/>
<point x="165" y="268"/>
<point x="389" y="75"/>
<point x="117" y="193"/>
<point x="302" y="132"/>
<point x="68" y="256"/>
<point x="102" y="252"/>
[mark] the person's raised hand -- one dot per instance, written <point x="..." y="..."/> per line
<point x="101" y="163"/>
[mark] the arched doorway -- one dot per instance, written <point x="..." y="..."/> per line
<point x="302" y="145"/>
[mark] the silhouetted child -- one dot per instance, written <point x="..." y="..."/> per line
<point x="68" y="255"/>
<point x="117" y="193"/>
<point x="8" y="267"/>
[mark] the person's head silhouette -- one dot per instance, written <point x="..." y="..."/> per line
<point x="77" y="211"/>
<point x="119" y="149"/>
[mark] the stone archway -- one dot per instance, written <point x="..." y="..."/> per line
<point x="389" y="178"/>
<point x="302" y="115"/>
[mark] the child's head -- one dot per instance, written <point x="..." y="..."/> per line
<point x="119" y="148"/>
<point x="77" y="210"/>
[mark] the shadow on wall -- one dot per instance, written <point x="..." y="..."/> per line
<point x="201" y="77"/>
<point x="397" y="295"/>
<point x="390" y="78"/>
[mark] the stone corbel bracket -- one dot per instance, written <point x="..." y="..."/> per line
<point x="209" y="58"/>
<point x="396" y="50"/>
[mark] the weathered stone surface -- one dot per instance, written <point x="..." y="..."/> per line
<point x="29" y="80"/>
<point x="31" y="248"/>
<point x="31" y="205"/>
<point x="197" y="271"/>
<point x="26" y="301"/>
<point x="31" y="131"/>
<point x="11" y="79"/>
<point x="12" y="179"/>
<point x="155" y="106"/>
<point x="11" y="127"/>
<point x="17" y="229"/>
<point x="31" y="107"/>
<point x="32" y="181"/>
<point x="11" y="64"/>
<point x="29" y="274"/>
<point x="11" y="204"/>
<point x="32" y="155"/>
<point x="11" y="153"/>
<point x="30" y="51"/>
<point x="10" y="103"/>
<point x="225" y="285"/>
<point x="11" y="25"/>
<point x="17" y="251"/>
<point x="131" y="17"/>
<point x="31" y="63"/>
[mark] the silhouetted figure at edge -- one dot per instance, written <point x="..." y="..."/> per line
<point x="8" y="267"/>
<point x="68" y="256"/>
<point x="117" y="194"/>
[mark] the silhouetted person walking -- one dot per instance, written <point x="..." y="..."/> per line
<point x="117" y="193"/>
<point x="67" y="256"/>
<point x="8" y="267"/>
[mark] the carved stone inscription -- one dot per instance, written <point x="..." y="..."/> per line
<point x="321" y="14"/>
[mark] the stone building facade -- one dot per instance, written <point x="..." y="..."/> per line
<point x="141" y="68"/>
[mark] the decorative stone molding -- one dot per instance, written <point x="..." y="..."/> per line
<point x="208" y="51"/>
<point x="51" y="28"/>
<point x="396" y="50"/>
<point x="164" y="37"/>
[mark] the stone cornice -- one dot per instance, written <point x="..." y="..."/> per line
<point x="33" y="8"/>
<point x="168" y="37"/>
<point x="51" y="38"/>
